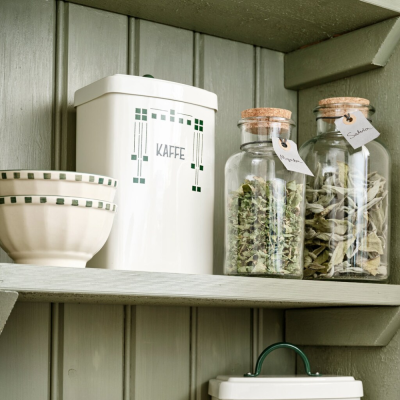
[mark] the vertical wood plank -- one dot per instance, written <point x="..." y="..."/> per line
<point x="25" y="353"/>
<point x="272" y="89"/>
<point x="164" y="52"/>
<point x="223" y="345"/>
<point x="93" y="356"/>
<point x="160" y="353"/>
<point x="97" y="47"/>
<point x="227" y="69"/>
<point x="282" y="361"/>
<point x="26" y="85"/>
<point x="127" y="351"/>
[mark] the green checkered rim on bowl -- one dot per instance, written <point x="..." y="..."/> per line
<point x="58" y="201"/>
<point x="58" y="176"/>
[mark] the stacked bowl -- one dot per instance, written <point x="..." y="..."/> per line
<point x="55" y="218"/>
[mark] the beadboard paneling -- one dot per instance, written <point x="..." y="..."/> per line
<point x="93" y="360"/>
<point x="160" y="349"/>
<point x="227" y="69"/>
<point x="271" y="85"/>
<point x="97" y="47"/>
<point x="282" y="361"/>
<point x="26" y="85"/>
<point x="223" y="345"/>
<point x="164" y="52"/>
<point x="25" y="353"/>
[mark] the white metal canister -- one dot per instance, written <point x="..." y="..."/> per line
<point x="157" y="138"/>
<point x="311" y="387"/>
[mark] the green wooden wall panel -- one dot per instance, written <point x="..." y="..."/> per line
<point x="164" y="52"/>
<point x="227" y="69"/>
<point x="26" y="85"/>
<point x="223" y="345"/>
<point x="160" y="348"/>
<point x="97" y="45"/>
<point x="25" y="353"/>
<point x="272" y="325"/>
<point x="272" y="92"/>
<point x="93" y="352"/>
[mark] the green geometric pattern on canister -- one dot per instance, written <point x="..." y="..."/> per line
<point x="140" y="152"/>
<point x="197" y="154"/>
<point x="139" y="155"/>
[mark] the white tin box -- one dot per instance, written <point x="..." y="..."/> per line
<point x="285" y="388"/>
<point x="157" y="138"/>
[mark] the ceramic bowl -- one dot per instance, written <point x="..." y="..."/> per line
<point x="54" y="230"/>
<point x="57" y="183"/>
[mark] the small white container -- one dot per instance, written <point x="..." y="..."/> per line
<point x="310" y="387"/>
<point x="285" y="388"/>
<point x="157" y="138"/>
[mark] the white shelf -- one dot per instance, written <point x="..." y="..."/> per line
<point x="54" y="284"/>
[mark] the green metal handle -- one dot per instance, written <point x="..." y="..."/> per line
<point x="276" y="346"/>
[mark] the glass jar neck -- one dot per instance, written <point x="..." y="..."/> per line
<point x="325" y="126"/>
<point x="256" y="136"/>
<point x="327" y="115"/>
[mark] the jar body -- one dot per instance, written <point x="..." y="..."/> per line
<point x="347" y="210"/>
<point x="264" y="215"/>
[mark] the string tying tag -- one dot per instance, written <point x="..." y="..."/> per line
<point x="348" y="117"/>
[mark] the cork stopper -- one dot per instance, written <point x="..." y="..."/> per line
<point x="266" y="127"/>
<point x="351" y="100"/>
<point x="338" y="106"/>
<point x="266" y="112"/>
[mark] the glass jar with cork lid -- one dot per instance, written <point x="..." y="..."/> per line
<point x="264" y="202"/>
<point x="348" y="199"/>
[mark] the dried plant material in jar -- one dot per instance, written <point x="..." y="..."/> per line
<point x="264" y="228"/>
<point x="346" y="224"/>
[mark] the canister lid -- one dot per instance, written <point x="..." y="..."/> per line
<point x="141" y="86"/>
<point x="285" y="388"/>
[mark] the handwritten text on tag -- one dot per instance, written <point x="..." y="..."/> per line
<point x="290" y="156"/>
<point x="357" y="130"/>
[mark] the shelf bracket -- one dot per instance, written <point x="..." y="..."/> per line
<point x="7" y="301"/>
<point x="349" y="54"/>
<point x="348" y="326"/>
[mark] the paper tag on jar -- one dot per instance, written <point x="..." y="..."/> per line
<point x="290" y="156"/>
<point x="357" y="130"/>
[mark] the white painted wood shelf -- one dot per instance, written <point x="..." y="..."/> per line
<point x="54" y="284"/>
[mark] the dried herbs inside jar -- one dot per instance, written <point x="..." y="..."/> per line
<point x="265" y="226"/>
<point x="346" y="224"/>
